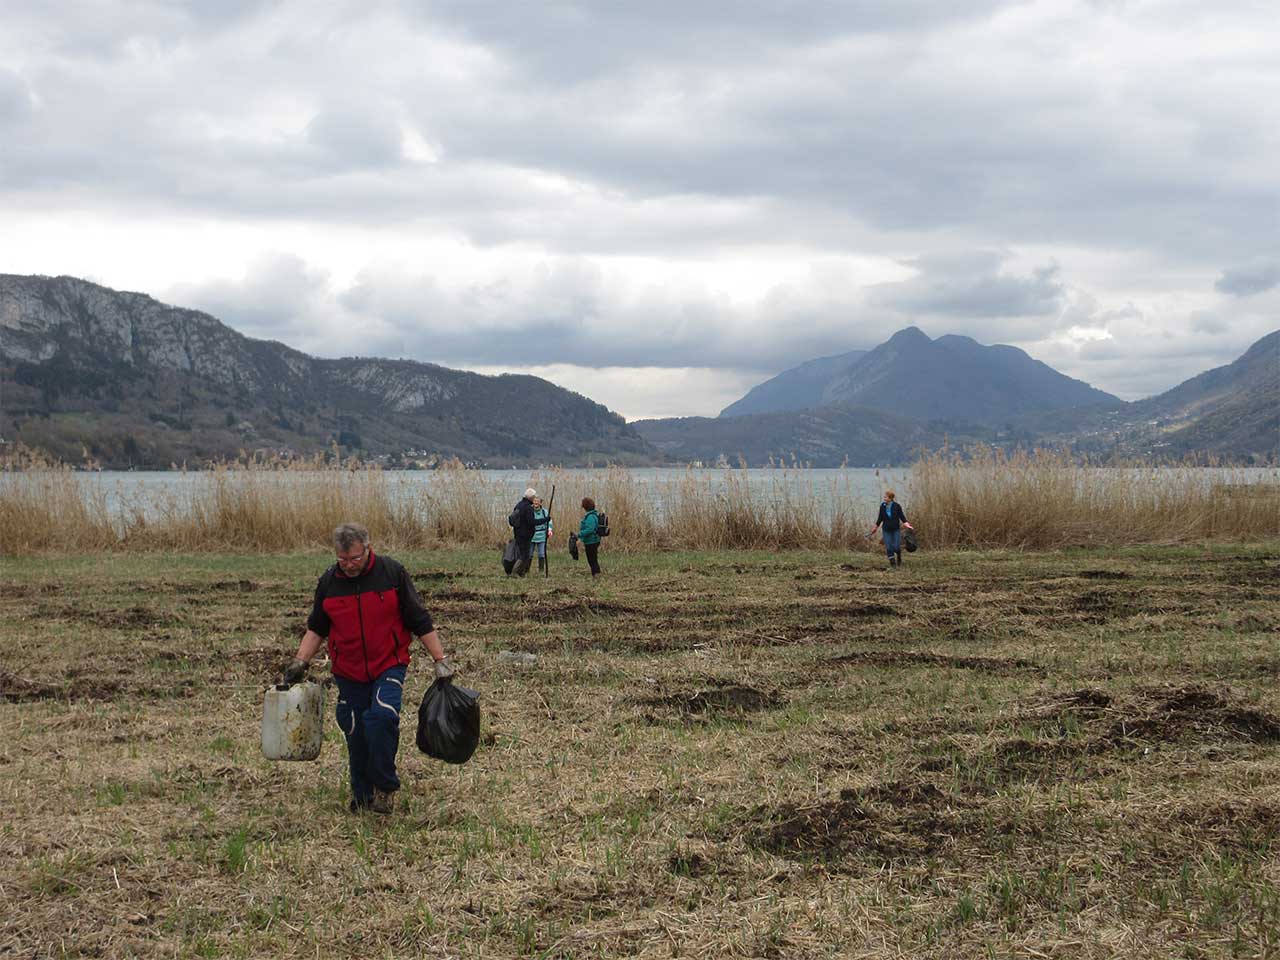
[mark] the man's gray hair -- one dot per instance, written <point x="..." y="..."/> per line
<point x="530" y="493"/>
<point x="347" y="535"/>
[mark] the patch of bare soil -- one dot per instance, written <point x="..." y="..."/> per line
<point x="1103" y="604"/>
<point x="197" y="588"/>
<point x="265" y="662"/>
<point x="1236" y="823"/>
<point x="1085" y="702"/>
<point x="456" y="593"/>
<point x="1191" y="713"/>
<point x="130" y="617"/>
<point x="722" y="700"/>
<point x="1104" y="726"/>
<point x="821" y="590"/>
<point x="860" y="611"/>
<point x="1104" y="575"/>
<point x="672" y="639"/>
<point x="15" y="689"/>
<point x="576" y="609"/>
<point x="892" y="822"/>
<point x="906" y="658"/>
<point x="234" y="586"/>
<point x="1238" y="572"/>
<point x="433" y="575"/>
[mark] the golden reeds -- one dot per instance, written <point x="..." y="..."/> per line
<point x="1047" y="499"/>
<point x="984" y="498"/>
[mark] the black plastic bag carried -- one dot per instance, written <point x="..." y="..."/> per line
<point x="449" y="722"/>
<point x="573" y="545"/>
<point x="909" y="540"/>
<point x="510" y="554"/>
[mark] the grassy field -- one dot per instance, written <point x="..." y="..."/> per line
<point x="717" y="754"/>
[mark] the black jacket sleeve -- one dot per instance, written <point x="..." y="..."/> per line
<point x="319" y="620"/>
<point x="525" y="524"/>
<point x="412" y="612"/>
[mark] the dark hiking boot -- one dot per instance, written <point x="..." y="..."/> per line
<point x="898" y="559"/>
<point x="542" y="564"/>
<point x="382" y="802"/>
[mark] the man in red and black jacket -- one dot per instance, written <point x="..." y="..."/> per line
<point x="367" y="609"/>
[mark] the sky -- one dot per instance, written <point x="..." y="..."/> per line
<point x="660" y="205"/>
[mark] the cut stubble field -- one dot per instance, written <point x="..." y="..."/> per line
<point x="717" y="754"/>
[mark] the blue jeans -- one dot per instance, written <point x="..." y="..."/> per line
<point x="369" y="715"/>
<point x="892" y="541"/>
<point x="540" y="549"/>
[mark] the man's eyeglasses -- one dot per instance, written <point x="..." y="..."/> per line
<point x="353" y="561"/>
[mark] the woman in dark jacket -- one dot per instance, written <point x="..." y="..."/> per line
<point x="889" y="522"/>
<point x="589" y="536"/>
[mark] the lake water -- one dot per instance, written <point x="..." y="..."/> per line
<point x="845" y="489"/>
<point x="143" y="490"/>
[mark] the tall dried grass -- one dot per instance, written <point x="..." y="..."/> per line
<point x="1046" y="499"/>
<point x="982" y="499"/>
<point x="43" y="506"/>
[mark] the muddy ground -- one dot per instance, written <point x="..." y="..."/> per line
<point x="747" y="755"/>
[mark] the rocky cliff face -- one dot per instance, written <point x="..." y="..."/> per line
<point x="139" y="382"/>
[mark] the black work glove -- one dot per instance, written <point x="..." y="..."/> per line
<point x="295" y="672"/>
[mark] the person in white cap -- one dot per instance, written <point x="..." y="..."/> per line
<point x="523" y="525"/>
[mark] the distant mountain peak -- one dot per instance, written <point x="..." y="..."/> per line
<point x="952" y="378"/>
<point x="909" y="336"/>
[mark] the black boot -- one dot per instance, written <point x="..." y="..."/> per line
<point x="542" y="564"/>
<point x="898" y="557"/>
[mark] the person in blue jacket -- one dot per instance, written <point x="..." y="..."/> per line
<point x="589" y="536"/>
<point x="889" y="522"/>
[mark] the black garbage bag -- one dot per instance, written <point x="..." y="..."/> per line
<point x="909" y="541"/>
<point x="573" y="545"/>
<point x="449" y="722"/>
<point x="510" y="554"/>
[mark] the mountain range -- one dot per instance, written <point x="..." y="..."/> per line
<point x="952" y="377"/>
<point x="914" y="393"/>
<point x="132" y="382"/>
<point x="137" y="383"/>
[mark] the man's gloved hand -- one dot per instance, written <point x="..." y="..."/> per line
<point x="444" y="668"/>
<point x="295" y="672"/>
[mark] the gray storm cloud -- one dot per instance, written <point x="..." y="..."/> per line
<point x="1250" y="279"/>
<point x="1080" y="138"/>
<point x="970" y="286"/>
<point x="572" y="311"/>
<point x="868" y="113"/>
<point x="15" y="98"/>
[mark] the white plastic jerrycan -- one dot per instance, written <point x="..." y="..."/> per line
<point x="293" y="721"/>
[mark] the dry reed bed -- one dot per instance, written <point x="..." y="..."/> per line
<point x="982" y="499"/>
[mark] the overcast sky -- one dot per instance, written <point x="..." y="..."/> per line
<point x="661" y="204"/>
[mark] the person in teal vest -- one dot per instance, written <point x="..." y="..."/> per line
<point x="588" y="535"/>
<point x="541" y="533"/>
